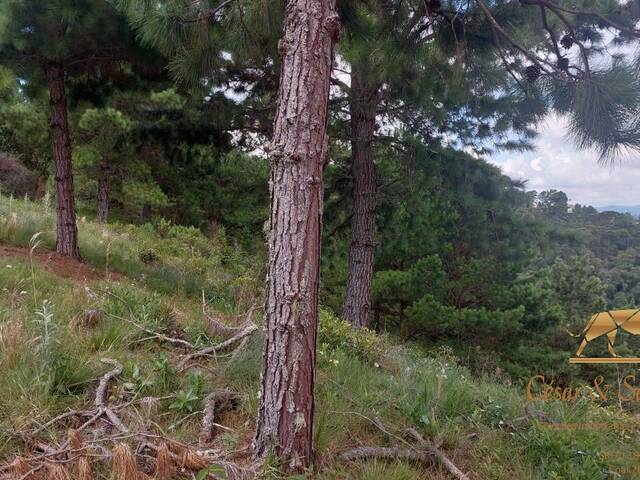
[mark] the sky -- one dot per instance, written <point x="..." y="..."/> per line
<point x="557" y="163"/>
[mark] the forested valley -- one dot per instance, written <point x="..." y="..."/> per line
<point x="160" y="159"/>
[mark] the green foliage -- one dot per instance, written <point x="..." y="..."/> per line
<point x="167" y="99"/>
<point x="428" y="316"/>
<point x="23" y="124"/>
<point x="603" y="110"/>
<point x="338" y="334"/>
<point x="103" y="123"/>
<point x="188" y="261"/>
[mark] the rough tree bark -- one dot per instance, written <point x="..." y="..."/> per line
<point x="104" y="190"/>
<point x="298" y="154"/>
<point x="364" y="100"/>
<point x="66" y="229"/>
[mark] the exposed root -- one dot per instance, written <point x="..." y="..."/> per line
<point x="424" y="451"/>
<point x="215" y="327"/>
<point x="437" y="453"/>
<point x="101" y="394"/>
<point x="65" y="415"/>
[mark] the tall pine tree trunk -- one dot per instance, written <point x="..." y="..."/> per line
<point x="66" y="229"/>
<point x="363" y="104"/>
<point x="104" y="190"/>
<point x="298" y="154"/>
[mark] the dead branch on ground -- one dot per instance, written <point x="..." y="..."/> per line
<point x="427" y="452"/>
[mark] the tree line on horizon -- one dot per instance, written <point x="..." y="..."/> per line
<point x="372" y="112"/>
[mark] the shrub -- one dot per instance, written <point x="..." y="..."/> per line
<point x="338" y="334"/>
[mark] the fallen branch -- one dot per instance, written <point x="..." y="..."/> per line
<point x="70" y="413"/>
<point x="101" y="392"/>
<point x="388" y="453"/>
<point x="153" y="335"/>
<point x="215" y="327"/>
<point x="248" y="330"/>
<point x="215" y="403"/>
<point x="438" y="453"/>
<point x="427" y="452"/>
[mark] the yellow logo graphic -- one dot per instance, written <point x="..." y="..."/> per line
<point x="608" y="324"/>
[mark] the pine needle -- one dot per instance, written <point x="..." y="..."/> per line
<point x="124" y="465"/>
<point x="164" y="463"/>
<point x="57" y="471"/>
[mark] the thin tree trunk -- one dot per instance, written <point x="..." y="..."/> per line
<point x="104" y="190"/>
<point x="363" y="105"/>
<point x="298" y="155"/>
<point x="66" y="230"/>
<point x="146" y="213"/>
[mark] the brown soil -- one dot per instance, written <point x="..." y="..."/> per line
<point x="60" y="265"/>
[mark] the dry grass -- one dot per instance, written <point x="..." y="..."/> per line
<point x="19" y="467"/>
<point x="57" y="471"/>
<point x="13" y="338"/>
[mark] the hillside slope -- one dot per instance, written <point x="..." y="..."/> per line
<point x="149" y="297"/>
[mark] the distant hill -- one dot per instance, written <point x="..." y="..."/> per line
<point x="632" y="209"/>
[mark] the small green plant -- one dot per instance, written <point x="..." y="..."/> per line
<point x="196" y="382"/>
<point x="34" y="243"/>
<point x="217" y="471"/>
<point x="186" y="401"/>
<point x="140" y="383"/>
<point x="164" y="371"/>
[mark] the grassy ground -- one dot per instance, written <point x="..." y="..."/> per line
<point x="50" y="358"/>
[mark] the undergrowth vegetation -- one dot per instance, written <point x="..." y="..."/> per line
<point x="369" y="388"/>
<point x="166" y="257"/>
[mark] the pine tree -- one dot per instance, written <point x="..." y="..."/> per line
<point x="299" y="152"/>
<point x="193" y="36"/>
<point x="410" y="66"/>
<point x="47" y="42"/>
<point x="399" y="54"/>
<point x="103" y="129"/>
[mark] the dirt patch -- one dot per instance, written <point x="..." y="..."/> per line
<point x="60" y="265"/>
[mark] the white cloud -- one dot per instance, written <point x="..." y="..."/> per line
<point x="557" y="163"/>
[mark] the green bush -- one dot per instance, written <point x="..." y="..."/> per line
<point x="359" y="342"/>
